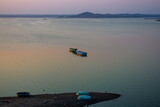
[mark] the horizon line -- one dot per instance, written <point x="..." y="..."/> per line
<point x="75" y="13"/>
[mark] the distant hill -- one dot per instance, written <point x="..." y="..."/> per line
<point x="92" y="15"/>
<point x="87" y="15"/>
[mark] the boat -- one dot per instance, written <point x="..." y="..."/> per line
<point x="84" y="97"/>
<point x="81" y="53"/>
<point x="23" y="94"/>
<point x="82" y="93"/>
<point x="158" y="20"/>
<point x="78" y="53"/>
<point x="73" y="49"/>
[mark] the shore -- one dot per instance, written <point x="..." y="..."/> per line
<point x="55" y="100"/>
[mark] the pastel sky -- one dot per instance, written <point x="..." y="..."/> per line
<point x="78" y="6"/>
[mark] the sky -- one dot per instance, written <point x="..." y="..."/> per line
<point x="78" y="6"/>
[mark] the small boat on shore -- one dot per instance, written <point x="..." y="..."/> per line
<point x="82" y="93"/>
<point x="23" y="94"/>
<point x="84" y="98"/>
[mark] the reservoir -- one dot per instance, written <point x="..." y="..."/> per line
<point x="123" y="56"/>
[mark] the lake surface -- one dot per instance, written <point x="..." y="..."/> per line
<point x="123" y="57"/>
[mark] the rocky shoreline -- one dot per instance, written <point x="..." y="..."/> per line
<point x="55" y="100"/>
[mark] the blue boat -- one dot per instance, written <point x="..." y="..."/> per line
<point x="81" y="53"/>
<point x="84" y="97"/>
<point x="82" y="93"/>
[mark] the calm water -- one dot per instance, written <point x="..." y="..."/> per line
<point x="123" y="57"/>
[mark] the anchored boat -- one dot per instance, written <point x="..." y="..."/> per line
<point x="73" y="49"/>
<point x="81" y="53"/>
<point x="78" y="53"/>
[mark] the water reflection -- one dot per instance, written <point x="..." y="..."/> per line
<point x="124" y="58"/>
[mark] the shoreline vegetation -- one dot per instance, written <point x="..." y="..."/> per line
<point x="56" y="100"/>
<point x="81" y="15"/>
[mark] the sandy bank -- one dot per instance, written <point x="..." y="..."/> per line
<point x="55" y="100"/>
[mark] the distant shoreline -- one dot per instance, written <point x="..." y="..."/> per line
<point x="81" y="15"/>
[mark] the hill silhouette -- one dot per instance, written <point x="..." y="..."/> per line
<point x="126" y="15"/>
